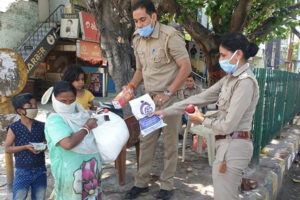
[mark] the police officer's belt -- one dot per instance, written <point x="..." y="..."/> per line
<point x="152" y="95"/>
<point x="236" y="135"/>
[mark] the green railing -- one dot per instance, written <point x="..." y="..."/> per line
<point x="278" y="103"/>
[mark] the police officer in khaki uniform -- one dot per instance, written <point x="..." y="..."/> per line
<point x="236" y="95"/>
<point x="191" y="88"/>
<point x="163" y="63"/>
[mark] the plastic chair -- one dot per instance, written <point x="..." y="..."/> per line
<point x="134" y="133"/>
<point x="203" y="132"/>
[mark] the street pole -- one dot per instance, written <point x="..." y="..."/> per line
<point x="7" y="108"/>
<point x="11" y="84"/>
<point x="290" y="54"/>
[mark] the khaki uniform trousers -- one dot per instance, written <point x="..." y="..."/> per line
<point x="148" y="146"/>
<point x="237" y="154"/>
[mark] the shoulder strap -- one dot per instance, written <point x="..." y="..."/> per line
<point x="244" y="76"/>
<point x="169" y="31"/>
<point x="166" y="49"/>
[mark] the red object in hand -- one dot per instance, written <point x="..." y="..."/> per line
<point x="190" y="108"/>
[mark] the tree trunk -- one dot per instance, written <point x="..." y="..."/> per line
<point x="208" y="42"/>
<point x="215" y="73"/>
<point x="115" y="40"/>
<point x="211" y="53"/>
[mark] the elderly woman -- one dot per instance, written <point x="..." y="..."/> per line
<point x="76" y="167"/>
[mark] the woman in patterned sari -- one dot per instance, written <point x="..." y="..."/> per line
<point x="76" y="167"/>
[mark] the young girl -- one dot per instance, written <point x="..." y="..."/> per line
<point x="75" y="75"/>
<point x="29" y="163"/>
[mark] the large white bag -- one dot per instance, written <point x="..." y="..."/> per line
<point x="110" y="136"/>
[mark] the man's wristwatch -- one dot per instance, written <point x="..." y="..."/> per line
<point x="168" y="93"/>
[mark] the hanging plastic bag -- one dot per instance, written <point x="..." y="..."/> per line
<point x="111" y="135"/>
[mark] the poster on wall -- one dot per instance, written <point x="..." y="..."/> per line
<point x="69" y="26"/>
<point x="97" y="88"/>
<point x="88" y="27"/>
<point x="194" y="51"/>
<point x="93" y="83"/>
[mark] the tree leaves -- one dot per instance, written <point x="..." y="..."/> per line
<point x="270" y="18"/>
<point x="221" y="12"/>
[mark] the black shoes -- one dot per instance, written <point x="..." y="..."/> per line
<point x="180" y="137"/>
<point x="165" y="194"/>
<point x="134" y="192"/>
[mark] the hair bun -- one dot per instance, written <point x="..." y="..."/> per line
<point x="252" y="49"/>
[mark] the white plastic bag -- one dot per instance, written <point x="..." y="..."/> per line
<point x="110" y="136"/>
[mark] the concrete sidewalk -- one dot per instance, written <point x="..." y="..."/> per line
<point x="275" y="163"/>
<point x="193" y="177"/>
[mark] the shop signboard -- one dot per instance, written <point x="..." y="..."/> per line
<point x="88" y="51"/>
<point x="41" y="51"/>
<point x="69" y="26"/>
<point x="88" y="27"/>
<point x="39" y="72"/>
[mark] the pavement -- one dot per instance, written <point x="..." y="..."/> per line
<point x="192" y="179"/>
<point x="291" y="188"/>
<point x="275" y="164"/>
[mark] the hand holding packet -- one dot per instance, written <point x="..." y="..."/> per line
<point x="122" y="98"/>
<point x="40" y="146"/>
<point x="141" y="108"/>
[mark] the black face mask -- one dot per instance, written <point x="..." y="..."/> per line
<point x="68" y="29"/>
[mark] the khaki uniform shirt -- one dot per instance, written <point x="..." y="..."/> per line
<point x="157" y="56"/>
<point x="236" y="96"/>
<point x="190" y="92"/>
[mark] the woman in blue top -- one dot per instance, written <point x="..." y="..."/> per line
<point x="77" y="173"/>
<point x="29" y="163"/>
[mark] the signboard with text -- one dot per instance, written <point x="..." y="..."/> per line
<point x="88" y="27"/>
<point x="88" y="51"/>
<point x="41" y="51"/>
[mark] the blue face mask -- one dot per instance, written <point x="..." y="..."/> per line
<point x="227" y="67"/>
<point x="145" y="31"/>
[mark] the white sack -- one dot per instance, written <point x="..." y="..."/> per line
<point x="110" y="136"/>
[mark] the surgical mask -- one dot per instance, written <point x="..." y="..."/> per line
<point x="227" y="67"/>
<point x="31" y="113"/>
<point x="60" y="107"/>
<point x="146" y="31"/>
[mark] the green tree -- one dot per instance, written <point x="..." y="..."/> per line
<point x="260" y="20"/>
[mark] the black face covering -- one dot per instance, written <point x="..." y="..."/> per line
<point x="68" y="29"/>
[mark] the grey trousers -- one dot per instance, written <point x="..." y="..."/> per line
<point x="237" y="154"/>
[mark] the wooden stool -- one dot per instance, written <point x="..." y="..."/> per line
<point x="134" y="133"/>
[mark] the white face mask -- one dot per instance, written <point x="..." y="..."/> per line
<point x="60" y="107"/>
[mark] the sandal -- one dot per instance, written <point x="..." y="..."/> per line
<point x="296" y="180"/>
<point x="248" y="184"/>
